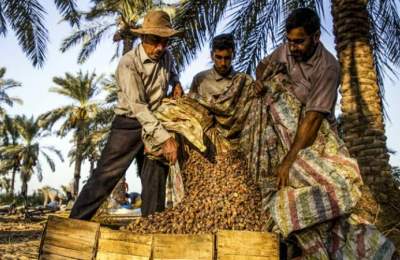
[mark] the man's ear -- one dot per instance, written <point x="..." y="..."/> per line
<point x="316" y="36"/>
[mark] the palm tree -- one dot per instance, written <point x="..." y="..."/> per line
<point x="110" y="17"/>
<point x="367" y="35"/>
<point x="26" y="19"/>
<point x="10" y="136"/>
<point x="27" y="152"/>
<point x="95" y="138"/>
<point x="82" y="89"/>
<point x="5" y="85"/>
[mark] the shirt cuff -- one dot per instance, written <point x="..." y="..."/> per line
<point x="160" y="136"/>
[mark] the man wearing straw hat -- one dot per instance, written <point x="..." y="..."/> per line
<point x="143" y="76"/>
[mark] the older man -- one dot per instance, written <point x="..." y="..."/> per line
<point x="143" y="76"/>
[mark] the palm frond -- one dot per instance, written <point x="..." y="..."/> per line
<point x="91" y="44"/>
<point x="48" y="119"/>
<point x="68" y="10"/>
<point x="89" y="36"/>
<point x="3" y="23"/>
<point x="54" y="150"/>
<point x="26" y="19"/>
<point x="50" y="161"/>
<point x="256" y="23"/>
<point x="197" y="19"/>
<point x="385" y="32"/>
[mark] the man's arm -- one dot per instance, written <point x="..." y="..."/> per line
<point x="306" y="134"/>
<point x="133" y="90"/>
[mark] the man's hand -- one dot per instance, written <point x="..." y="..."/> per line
<point x="282" y="174"/>
<point x="170" y="150"/>
<point x="177" y="91"/>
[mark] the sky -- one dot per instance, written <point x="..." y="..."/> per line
<point x="37" y="81"/>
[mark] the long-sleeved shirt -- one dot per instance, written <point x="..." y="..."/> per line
<point x="143" y="83"/>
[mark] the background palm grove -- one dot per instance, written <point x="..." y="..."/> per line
<point x="366" y="37"/>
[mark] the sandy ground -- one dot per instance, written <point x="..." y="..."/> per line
<point x="19" y="238"/>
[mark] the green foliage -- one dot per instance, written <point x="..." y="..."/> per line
<point x="26" y="19"/>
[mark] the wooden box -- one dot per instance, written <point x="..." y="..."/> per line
<point x="121" y="245"/>
<point x="65" y="238"/>
<point x="183" y="247"/>
<point x="246" y="245"/>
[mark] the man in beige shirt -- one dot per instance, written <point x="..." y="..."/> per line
<point x="224" y="92"/>
<point x="143" y="76"/>
<point x="316" y="75"/>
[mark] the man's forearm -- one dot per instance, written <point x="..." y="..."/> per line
<point x="306" y="134"/>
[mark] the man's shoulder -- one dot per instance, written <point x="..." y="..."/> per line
<point x="279" y="54"/>
<point x="129" y="57"/>
<point x="203" y="74"/>
<point x="328" y="60"/>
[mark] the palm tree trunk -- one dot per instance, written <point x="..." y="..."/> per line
<point x="24" y="190"/>
<point x="363" y="122"/>
<point x="13" y="181"/>
<point x="361" y="104"/>
<point x="91" y="170"/>
<point x="127" y="44"/>
<point x="78" y="160"/>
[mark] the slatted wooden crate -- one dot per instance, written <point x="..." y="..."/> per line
<point x="246" y="245"/>
<point x="123" y="245"/>
<point x="183" y="247"/>
<point x="68" y="239"/>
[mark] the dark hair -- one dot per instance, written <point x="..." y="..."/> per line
<point x="303" y="17"/>
<point x="223" y="42"/>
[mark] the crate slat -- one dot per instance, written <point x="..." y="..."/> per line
<point x="247" y="245"/>
<point x="183" y="247"/>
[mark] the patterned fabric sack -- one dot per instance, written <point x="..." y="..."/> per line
<point x="324" y="181"/>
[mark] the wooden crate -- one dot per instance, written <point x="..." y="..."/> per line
<point x="65" y="238"/>
<point x="246" y="245"/>
<point x="121" y="245"/>
<point x="183" y="247"/>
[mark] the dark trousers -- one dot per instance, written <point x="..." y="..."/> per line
<point x="123" y="145"/>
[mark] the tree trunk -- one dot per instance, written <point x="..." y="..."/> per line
<point x="24" y="190"/>
<point x="361" y="104"/>
<point x="91" y="170"/>
<point x="12" y="181"/>
<point x="127" y="44"/>
<point x="363" y="122"/>
<point x="78" y="160"/>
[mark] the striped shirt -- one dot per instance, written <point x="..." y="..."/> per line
<point x="142" y="84"/>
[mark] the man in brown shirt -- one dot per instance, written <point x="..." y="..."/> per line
<point x="143" y="76"/>
<point x="316" y="75"/>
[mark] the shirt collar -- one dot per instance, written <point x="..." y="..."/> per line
<point x="219" y="77"/>
<point x="313" y="59"/>
<point x="144" y="58"/>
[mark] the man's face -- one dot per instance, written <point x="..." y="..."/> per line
<point x="302" y="44"/>
<point x="154" y="46"/>
<point x="222" y="60"/>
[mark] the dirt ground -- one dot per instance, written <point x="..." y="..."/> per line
<point x="19" y="238"/>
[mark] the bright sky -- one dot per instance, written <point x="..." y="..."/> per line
<point x="38" y="100"/>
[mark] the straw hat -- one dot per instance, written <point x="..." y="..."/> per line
<point x="157" y="23"/>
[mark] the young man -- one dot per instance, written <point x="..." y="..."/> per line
<point x="143" y="76"/>
<point x="316" y="75"/>
<point x="224" y="92"/>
